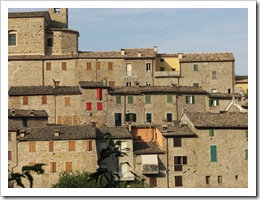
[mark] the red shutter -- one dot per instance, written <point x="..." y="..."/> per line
<point x="89" y="106"/>
<point x="99" y="94"/>
<point x="99" y="106"/>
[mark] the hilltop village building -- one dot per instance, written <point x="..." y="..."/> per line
<point x="177" y="115"/>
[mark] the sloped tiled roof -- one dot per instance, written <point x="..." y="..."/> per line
<point x="147" y="148"/>
<point x="218" y="120"/>
<point x="116" y="132"/>
<point x="43" y="90"/>
<point x="223" y="95"/>
<point x="156" y="89"/>
<point x="26" y="113"/>
<point x="66" y="133"/>
<point x="92" y="84"/>
<point x="197" y="57"/>
<point x="176" y="131"/>
<point x="28" y="14"/>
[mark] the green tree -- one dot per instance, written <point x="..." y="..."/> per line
<point x="17" y="177"/>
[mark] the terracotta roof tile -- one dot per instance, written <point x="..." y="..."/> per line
<point x="223" y="95"/>
<point x="197" y="57"/>
<point x="26" y="113"/>
<point x="176" y="131"/>
<point x="117" y="132"/>
<point x="147" y="148"/>
<point x="28" y="14"/>
<point x="92" y="84"/>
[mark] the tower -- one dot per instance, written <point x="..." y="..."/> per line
<point x="59" y="17"/>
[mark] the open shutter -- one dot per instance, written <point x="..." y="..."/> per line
<point x="193" y="99"/>
<point x="217" y="102"/>
<point x="99" y="106"/>
<point x="210" y="103"/>
<point x="184" y="160"/>
<point x="187" y="99"/>
<point x="99" y="94"/>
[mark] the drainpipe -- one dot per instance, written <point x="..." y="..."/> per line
<point x="167" y="163"/>
<point x="124" y="109"/>
<point x="16" y="155"/>
<point x="54" y="96"/>
<point x="42" y="72"/>
<point x="177" y="106"/>
<point x="153" y="68"/>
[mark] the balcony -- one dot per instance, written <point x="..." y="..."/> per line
<point x="150" y="169"/>
<point x="166" y="74"/>
<point x="150" y="164"/>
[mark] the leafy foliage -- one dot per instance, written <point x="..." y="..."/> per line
<point x="17" y="177"/>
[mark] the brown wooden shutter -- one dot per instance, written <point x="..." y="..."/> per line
<point x="52" y="167"/>
<point x="59" y="119"/>
<point x="89" y="145"/>
<point x="68" y="166"/>
<point x="67" y="101"/>
<point x="32" y="146"/>
<point x="51" y="146"/>
<point x="178" y="180"/>
<point x="44" y="99"/>
<point x="64" y="66"/>
<point x="71" y="145"/>
<point x="88" y="65"/>
<point x="153" y="182"/>
<point x="25" y="100"/>
<point x="75" y="120"/>
<point x="9" y="136"/>
<point x="184" y="160"/>
<point x="110" y="66"/>
<point x="177" y="142"/>
<point x="48" y="65"/>
<point x="98" y="66"/>
<point x="9" y="155"/>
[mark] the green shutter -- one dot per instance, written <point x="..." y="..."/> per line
<point x="130" y="99"/>
<point x="193" y="99"/>
<point x="246" y="154"/>
<point x="195" y="67"/>
<point x="246" y="133"/>
<point x="213" y="153"/>
<point x="118" y="99"/>
<point x="217" y="102"/>
<point x="211" y="132"/>
<point x="210" y="103"/>
<point x="169" y="98"/>
<point x="147" y="98"/>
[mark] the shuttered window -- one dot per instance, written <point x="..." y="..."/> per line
<point x="130" y="117"/>
<point x="99" y="106"/>
<point x="9" y="155"/>
<point x="213" y="102"/>
<point x="118" y="99"/>
<point x="52" y="167"/>
<point x="177" y="142"/>
<point x="110" y="65"/>
<point x="51" y="146"/>
<point x="190" y="99"/>
<point x="99" y="94"/>
<point x="195" y="67"/>
<point x="246" y="133"/>
<point x="9" y="136"/>
<point x="211" y="132"/>
<point x="130" y="99"/>
<point x="71" y="145"/>
<point x="67" y="101"/>
<point x="88" y="106"/>
<point x="98" y="66"/>
<point x="178" y="181"/>
<point x="246" y="154"/>
<point x="89" y="65"/>
<point x="213" y="153"/>
<point x="32" y="146"/>
<point x="25" y="100"/>
<point x="149" y="117"/>
<point x="169" y="98"/>
<point x="64" y="66"/>
<point x="48" y="66"/>
<point x="148" y="99"/>
<point x="89" y="145"/>
<point x="68" y="166"/>
<point x="169" y="117"/>
<point x="59" y="119"/>
<point x="44" y="99"/>
<point x="179" y="161"/>
<point x="75" y="120"/>
<point x="153" y="182"/>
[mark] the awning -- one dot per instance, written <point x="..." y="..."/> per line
<point x="150" y="159"/>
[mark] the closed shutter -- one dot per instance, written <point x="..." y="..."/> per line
<point x="99" y="94"/>
<point x="75" y="120"/>
<point x="48" y="66"/>
<point x="111" y="83"/>
<point x="52" y="167"/>
<point x="178" y="181"/>
<point x="98" y="66"/>
<point x="246" y="133"/>
<point x="51" y="146"/>
<point x="68" y="166"/>
<point x="184" y="160"/>
<point x="211" y="132"/>
<point x="9" y="136"/>
<point x="88" y="65"/>
<point x="169" y="98"/>
<point x="25" y="100"/>
<point x="177" y="142"/>
<point x="217" y="102"/>
<point x="44" y="99"/>
<point x="118" y="99"/>
<point x="246" y="154"/>
<point x="213" y="153"/>
<point x="67" y="101"/>
<point x="99" y="106"/>
<point x="64" y="66"/>
<point x="59" y="119"/>
<point x="110" y="66"/>
<point x="148" y="99"/>
<point x="153" y="182"/>
<point x="88" y="106"/>
<point x="193" y="99"/>
<point x="71" y="145"/>
<point x="187" y="99"/>
<point x="89" y="145"/>
<point x="9" y="155"/>
<point x="32" y="146"/>
<point x="210" y="103"/>
<point x="130" y="99"/>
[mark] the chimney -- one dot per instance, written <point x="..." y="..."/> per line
<point x="155" y="49"/>
<point x="31" y="112"/>
<point x="13" y="112"/>
<point x="164" y="128"/>
<point x="56" y="133"/>
<point x="139" y="54"/>
<point x="22" y="133"/>
<point x="122" y="52"/>
<point x="180" y="55"/>
<point x="176" y="124"/>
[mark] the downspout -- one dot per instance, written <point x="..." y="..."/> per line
<point x="233" y="77"/>
<point x="96" y="70"/>
<point x="167" y="163"/>
<point x="42" y="72"/>
<point x="124" y="109"/>
<point x="16" y="155"/>
<point x="54" y="96"/>
<point x="153" y="68"/>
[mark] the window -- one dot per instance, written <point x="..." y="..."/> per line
<point x="71" y="145"/>
<point x="48" y="66"/>
<point x="88" y="106"/>
<point x="9" y="155"/>
<point x="24" y="122"/>
<point x="177" y="142"/>
<point x="25" y="100"/>
<point x="161" y="60"/>
<point x="12" y="39"/>
<point x="169" y="117"/>
<point x="123" y="170"/>
<point x="59" y="119"/>
<point x="64" y="66"/>
<point x="128" y="84"/>
<point x="89" y="65"/>
<point x="118" y="99"/>
<point x="153" y="182"/>
<point x="99" y="94"/>
<point x="118" y="119"/>
<point x="130" y="117"/>
<point x="213" y="153"/>
<point x="52" y="167"/>
<point x="51" y="146"/>
<point x="32" y="146"/>
<point x="207" y="179"/>
<point x="75" y="120"/>
<point x="111" y="83"/>
<point x="179" y="161"/>
<point x="213" y="102"/>
<point x="178" y="181"/>
<point x="229" y="91"/>
<point x="195" y="67"/>
<point x="110" y="65"/>
<point x="246" y="133"/>
<point x="44" y="99"/>
<point x="98" y="66"/>
<point x="149" y="117"/>
<point x="89" y="145"/>
<point x="214" y="75"/>
<point x="130" y="99"/>
<point x="190" y="99"/>
<point x="219" y="179"/>
<point x="9" y="136"/>
<point x="148" y="99"/>
<point x="68" y="166"/>
<point x="67" y="101"/>
<point x="211" y="132"/>
<point x="161" y="68"/>
<point x="246" y="154"/>
<point x="49" y="42"/>
<point x="169" y="99"/>
<point x="148" y="67"/>
<point x="195" y="84"/>
<point x="128" y="69"/>
<point x="99" y="106"/>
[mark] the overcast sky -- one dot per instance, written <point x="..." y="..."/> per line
<point x="180" y="30"/>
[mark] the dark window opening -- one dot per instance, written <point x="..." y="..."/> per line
<point x="178" y="181"/>
<point x="149" y="117"/>
<point x="49" y="42"/>
<point x="24" y="122"/>
<point x="12" y="39"/>
<point x="130" y="117"/>
<point x="177" y="142"/>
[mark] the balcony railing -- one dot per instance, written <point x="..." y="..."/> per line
<point x="150" y="169"/>
<point x="165" y="74"/>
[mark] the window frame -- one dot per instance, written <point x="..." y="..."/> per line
<point x="64" y="66"/>
<point x="178" y="181"/>
<point x="53" y="168"/>
<point x="99" y="106"/>
<point x="211" y="132"/>
<point x="89" y="106"/>
<point x="130" y="117"/>
<point x="148" y="67"/>
<point x="51" y="146"/>
<point x="68" y="166"/>
<point x="167" y="117"/>
<point x="190" y="99"/>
